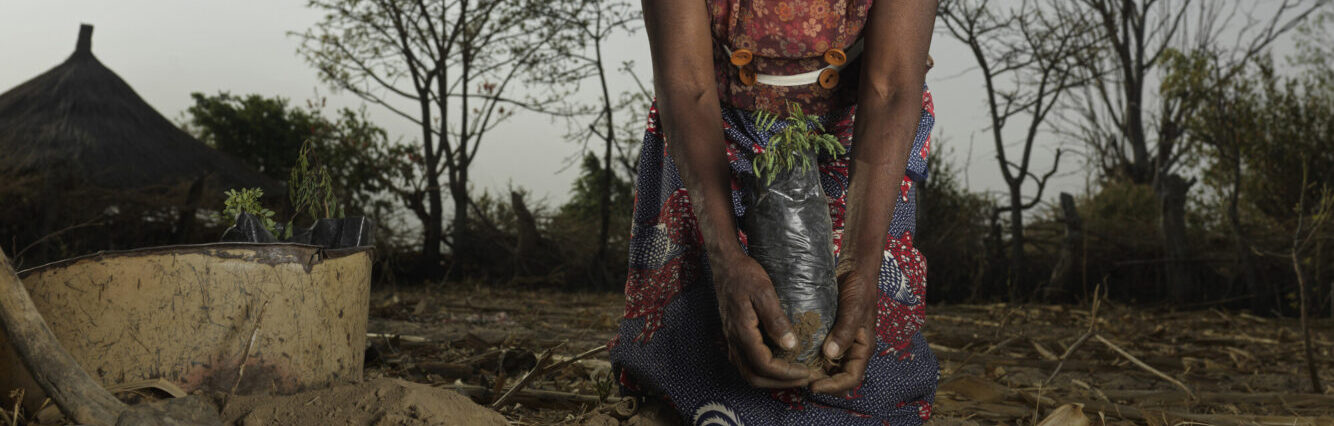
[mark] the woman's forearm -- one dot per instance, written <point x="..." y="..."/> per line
<point x="897" y="37"/>
<point x="876" y="173"/>
<point x="682" y="50"/>
<point x="695" y="144"/>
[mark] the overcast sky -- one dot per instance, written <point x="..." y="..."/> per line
<point x="168" y="49"/>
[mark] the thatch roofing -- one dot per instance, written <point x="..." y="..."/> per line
<point x="80" y="120"/>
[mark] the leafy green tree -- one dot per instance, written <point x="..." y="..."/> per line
<point x="577" y="221"/>
<point x="588" y="189"/>
<point x="269" y="135"/>
<point x="1135" y="133"/>
<point x="263" y="132"/>
<point x="1267" y="155"/>
<point x="952" y="229"/>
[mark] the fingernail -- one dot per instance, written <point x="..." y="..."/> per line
<point x="831" y="350"/>
<point x="789" y="341"/>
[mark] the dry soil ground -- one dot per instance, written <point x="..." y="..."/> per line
<point x="997" y="361"/>
<point x="1000" y="364"/>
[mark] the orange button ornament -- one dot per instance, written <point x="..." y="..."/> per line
<point x="747" y="76"/>
<point x="828" y="78"/>
<point x="835" y="57"/>
<point x="741" y="57"/>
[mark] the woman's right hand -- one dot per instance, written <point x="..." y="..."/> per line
<point x="747" y="302"/>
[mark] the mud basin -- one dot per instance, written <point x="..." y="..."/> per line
<point x="187" y="314"/>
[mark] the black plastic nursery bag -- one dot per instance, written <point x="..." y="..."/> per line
<point x="790" y="234"/>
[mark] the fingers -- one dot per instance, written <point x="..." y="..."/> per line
<point x="854" y="367"/>
<point x="763" y="382"/>
<point x="844" y="333"/>
<point x="760" y="360"/>
<point x="773" y="319"/>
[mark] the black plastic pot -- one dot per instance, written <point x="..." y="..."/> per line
<point x="248" y="229"/>
<point x="327" y="233"/>
<point x="790" y="234"/>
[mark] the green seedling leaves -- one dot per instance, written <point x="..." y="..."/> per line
<point x="802" y="139"/>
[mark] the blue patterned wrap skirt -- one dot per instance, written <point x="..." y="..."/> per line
<point x="670" y="344"/>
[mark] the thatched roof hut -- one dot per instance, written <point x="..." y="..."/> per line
<point x="86" y="165"/>
<point x="83" y="121"/>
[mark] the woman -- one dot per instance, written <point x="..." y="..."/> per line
<point x="698" y="309"/>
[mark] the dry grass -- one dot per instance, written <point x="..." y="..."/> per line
<point x="999" y="362"/>
<point x="1200" y="367"/>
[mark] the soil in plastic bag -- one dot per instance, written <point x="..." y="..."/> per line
<point x="327" y="233"/>
<point x="790" y="234"/>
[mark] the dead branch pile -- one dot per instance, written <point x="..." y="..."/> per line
<point x="1015" y="364"/>
<point x="537" y="358"/>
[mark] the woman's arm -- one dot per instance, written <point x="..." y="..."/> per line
<point x="682" y="49"/>
<point x="894" y="62"/>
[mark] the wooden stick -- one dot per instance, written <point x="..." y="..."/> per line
<point x="1061" y="363"/>
<point x="1093" y="328"/>
<point x="546" y="355"/>
<point x="18" y="403"/>
<point x="1132" y="413"/>
<point x="81" y="398"/>
<point x="538" y="370"/>
<point x="993" y="348"/>
<point x="1042" y="350"/>
<point x="532" y="396"/>
<point x="1277" y="398"/>
<point x="400" y="337"/>
<point x="576" y="358"/>
<point x="1144" y="366"/>
<point x="158" y="383"/>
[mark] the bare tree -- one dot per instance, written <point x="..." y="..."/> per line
<point x="445" y="65"/>
<point x="1131" y="140"/>
<point x="1027" y="56"/>
<point x="587" y="25"/>
<point x="1302" y="237"/>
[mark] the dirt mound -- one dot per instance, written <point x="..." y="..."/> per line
<point x="381" y="402"/>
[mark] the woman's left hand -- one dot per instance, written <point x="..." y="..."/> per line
<point x="851" y="340"/>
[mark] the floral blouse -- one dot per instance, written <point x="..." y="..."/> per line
<point x="785" y="37"/>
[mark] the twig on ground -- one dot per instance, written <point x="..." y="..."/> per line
<point x="1043" y="351"/>
<point x="1144" y="366"/>
<point x="1092" y="330"/>
<point x="993" y="348"/>
<point x="532" y="374"/>
<point x="399" y="337"/>
<point x="481" y="356"/>
<point x="502" y="374"/>
<point x="1275" y="398"/>
<point x="1061" y="362"/>
<point x="1000" y="344"/>
<point x="18" y="404"/>
<point x="576" y="358"/>
<point x="532" y="396"/>
<point x="1162" y="417"/>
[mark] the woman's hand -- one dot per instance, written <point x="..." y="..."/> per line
<point x="747" y="302"/>
<point x="851" y="341"/>
<point x="896" y="39"/>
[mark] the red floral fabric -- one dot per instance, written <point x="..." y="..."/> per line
<point x="786" y="37"/>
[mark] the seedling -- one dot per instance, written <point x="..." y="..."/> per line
<point x="246" y="200"/>
<point x="311" y="188"/>
<point x="800" y="141"/>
